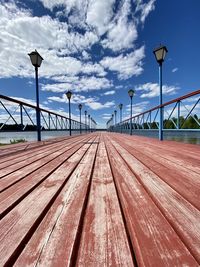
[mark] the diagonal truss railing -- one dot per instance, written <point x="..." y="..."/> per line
<point x="16" y="115"/>
<point x="179" y="114"/>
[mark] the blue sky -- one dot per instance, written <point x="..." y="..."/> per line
<point x="99" y="49"/>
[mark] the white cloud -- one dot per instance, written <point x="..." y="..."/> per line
<point x="84" y="84"/>
<point x="122" y="33"/>
<point x="21" y="33"/>
<point x="112" y="92"/>
<point x="91" y="102"/>
<point x="150" y="90"/>
<point x="98" y="105"/>
<point x="174" y="70"/>
<point x="145" y="8"/>
<point x="99" y="14"/>
<point x="125" y="66"/>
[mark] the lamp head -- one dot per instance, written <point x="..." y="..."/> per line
<point x="131" y="93"/>
<point x="35" y="58"/>
<point x="80" y="106"/>
<point x="69" y="95"/>
<point x="160" y="53"/>
<point x="120" y="106"/>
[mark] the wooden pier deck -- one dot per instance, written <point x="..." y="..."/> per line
<point x="101" y="199"/>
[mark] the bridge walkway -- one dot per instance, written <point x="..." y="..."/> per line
<point x="102" y="199"/>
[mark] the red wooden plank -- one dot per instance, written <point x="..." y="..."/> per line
<point x="12" y="195"/>
<point x="21" y="221"/>
<point x="37" y="154"/>
<point x="104" y="241"/>
<point x="12" y="178"/>
<point x="182" y="179"/>
<point x="54" y="241"/>
<point x="29" y="149"/>
<point x="180" y="213"/>
<point x="154" y="240"/>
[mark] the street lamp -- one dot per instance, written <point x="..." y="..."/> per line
<point x="89" y="122"/>
<point x="120" y="108"/>
<point x="115" y="112"/>
<point x="112" y="121"/>
<point x="36" y="61"/>
<point x="131" y="94"/>
<point x="85" y="120"/>
<point x="80" y="107"/>
<point x="69" y="95"/>
<point x="160" y="54"/>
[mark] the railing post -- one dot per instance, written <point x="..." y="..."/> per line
<point x="178" y="118"/>
<point x="21" y="116"/>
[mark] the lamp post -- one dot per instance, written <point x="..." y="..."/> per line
<point x="160" y="54"/>
<point x="36" y="61"/>
<point x="89" y="122"/>
<point x="131" y="94"/>
<point x="115" y="112"/>
<point x="85" y="120"/>
<point x="80" y="107"/>
<point x="112" y="121"/>
<point x="120" y="108"/>
<point x="69" y="95"/>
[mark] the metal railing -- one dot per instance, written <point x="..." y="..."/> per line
<point x="182" y="113"/>
<point x="16" y="115"/>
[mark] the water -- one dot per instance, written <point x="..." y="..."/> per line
<point x="5" y="137"/>
<point x="185" y="136"/>
<point x="192" y="137"/>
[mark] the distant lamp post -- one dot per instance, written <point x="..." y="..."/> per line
<point x="89" y="122"/>
<point x="36" y="61"/>
<point x="120" y="108"/>
<point x="80" y="107"/>
<point x="160" y="54"/>
<point x="69" y="95"/>
<point x="131" y="94"/>
<point x="85" y="120"/>
<point x="112" y="121"/>
<point x="115" y="112"/>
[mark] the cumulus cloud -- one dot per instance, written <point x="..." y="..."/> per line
<point x="68" y="57"/>
<point x="125" y="66"/>
<point x="122" y="33"/>
<point x="84" y="84"/>
<point x="112" y="92"/>
<point x="150" y="90"/>
<point x="91" y="102"/>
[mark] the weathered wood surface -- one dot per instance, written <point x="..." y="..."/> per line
<point x="101" y="199"/>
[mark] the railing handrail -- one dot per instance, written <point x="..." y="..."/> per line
<point x="165" y="104"/>
<point x="32" y="106"/>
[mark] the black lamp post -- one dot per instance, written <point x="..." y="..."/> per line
<point x="80" y="107"/>
<point x="115" y="112"/>
<point x="131" y="94"/>
<point x="120" y="108"/>
<point x="160" y="54"/>
<point x="89" y="122"/>
<point x="36" y="61"/>
<point x="112" y="121"/>
<point x="85" y="120"/>
<point x="69" y="95"/>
